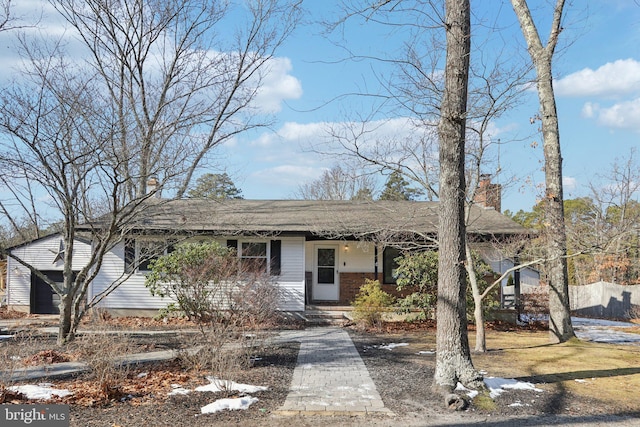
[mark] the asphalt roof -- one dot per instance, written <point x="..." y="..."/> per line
<point x="312" y="216"/>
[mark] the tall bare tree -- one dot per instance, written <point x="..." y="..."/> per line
<point x="560" y="326"/>
<point x="602" y="230"/>
<point x="178" y="86"/>
<point x="453" y="360"/>
<point x="496" y="85"/>
<point x="339" y="183"/>
<point x="9" y="20"/>
<point x="164" y="83"/>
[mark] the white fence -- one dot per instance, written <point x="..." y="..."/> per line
<point x="604" y="300"/>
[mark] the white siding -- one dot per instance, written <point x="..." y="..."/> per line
<point x="132" y="294"/>
<point x="41" y="255"/>
<point x="528" y="275"/>
<point x="358" y="258"/>
<point x="291" y="280"/>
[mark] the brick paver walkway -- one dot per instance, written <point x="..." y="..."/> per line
<point x="330" y="377"/>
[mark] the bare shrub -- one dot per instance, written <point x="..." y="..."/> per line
<point x="16" y="351"/>
<point x="24" y="348"/>
<point x="536" y="301"/>
<point x="229" y="299"/>
<point x="634" y="312"/>
<point x="103" y="355"/>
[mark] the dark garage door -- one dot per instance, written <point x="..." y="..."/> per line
<point x="43" y="299"/>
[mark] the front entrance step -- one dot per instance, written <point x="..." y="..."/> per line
<point x="327" y="315"/>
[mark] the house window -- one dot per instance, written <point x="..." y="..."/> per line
<point x="140" y="252"/>
<point x="253" y="256"/>
<point x="264" y="256"/>
<point x="390" y="265"/>
<point x="149" y="250"/>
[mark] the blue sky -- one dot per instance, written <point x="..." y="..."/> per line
<point x="597" y="87"/>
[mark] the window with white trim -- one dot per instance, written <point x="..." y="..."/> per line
<point x="254" y="256"/>
<point x="261" y="255"/>
<point x="140" y="252"/>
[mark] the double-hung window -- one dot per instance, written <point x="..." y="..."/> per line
<point x="262" y="256"/>
<point x="140" y="252"/>
<point x="253" y="256"/>
<point x="149" y="250"/>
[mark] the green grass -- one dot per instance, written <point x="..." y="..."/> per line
<point x="484" y="402"/>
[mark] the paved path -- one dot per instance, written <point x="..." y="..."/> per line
<point x="330" y="377"/>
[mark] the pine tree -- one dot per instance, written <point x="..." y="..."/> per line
<point x="397" y="188"/>
<point x="217" y="186"/>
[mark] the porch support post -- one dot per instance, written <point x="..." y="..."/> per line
<point x="517" y="288"/>
<point x="375" y="262"/>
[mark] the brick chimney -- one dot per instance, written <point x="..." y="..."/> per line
<point x="487" y="194"/>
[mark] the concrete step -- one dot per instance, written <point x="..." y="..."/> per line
<point x="325" y="317"/>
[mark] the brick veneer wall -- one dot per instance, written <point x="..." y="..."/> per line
<point x="350" y="286"/>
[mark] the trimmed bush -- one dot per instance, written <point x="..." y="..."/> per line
<point x="371" y="303"/>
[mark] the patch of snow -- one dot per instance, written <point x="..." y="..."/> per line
<point x="426" y="352"/>
<point x="471" y="393"/>
<point x="5" y="337"/>
<point x="605" y="335"/>
<point x="42" y="391"/>
<point x="217" y="384"/>
<point x="517" y="404"/>
<point x="393" y="345"/>
<point x="532" y="317"/>
<point x="142" y="375"/>
<point x="497" y="386"/>
<point x="178" y="390"/>
<point x="585" y="321"/>
<point x="230" y="404"/>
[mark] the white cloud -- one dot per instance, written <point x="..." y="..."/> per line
<point x="623" y="115"/>
<point x="277" y="86"/>
<point x="290" y="174"/>
<point x="612" y="79"/>
<point x="589" y="110"/>
<point x="569" y="183"/>
<point x="293" y="131"/>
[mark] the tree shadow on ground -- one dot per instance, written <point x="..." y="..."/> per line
<point x="577" y="375"/>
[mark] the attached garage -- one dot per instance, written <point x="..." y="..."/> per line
<point x="26" y="291"/>
<point x="43" y="299"/>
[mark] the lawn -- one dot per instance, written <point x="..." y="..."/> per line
<point x="599" y="373"/>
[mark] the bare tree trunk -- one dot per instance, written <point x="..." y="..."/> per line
<point x="453" y="360"/>
<point x="478" y="315"/>
<point x="560" y="327"/>
<point x="65" y="324"/>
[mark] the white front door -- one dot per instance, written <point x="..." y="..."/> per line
<point x="326" y="286"/>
